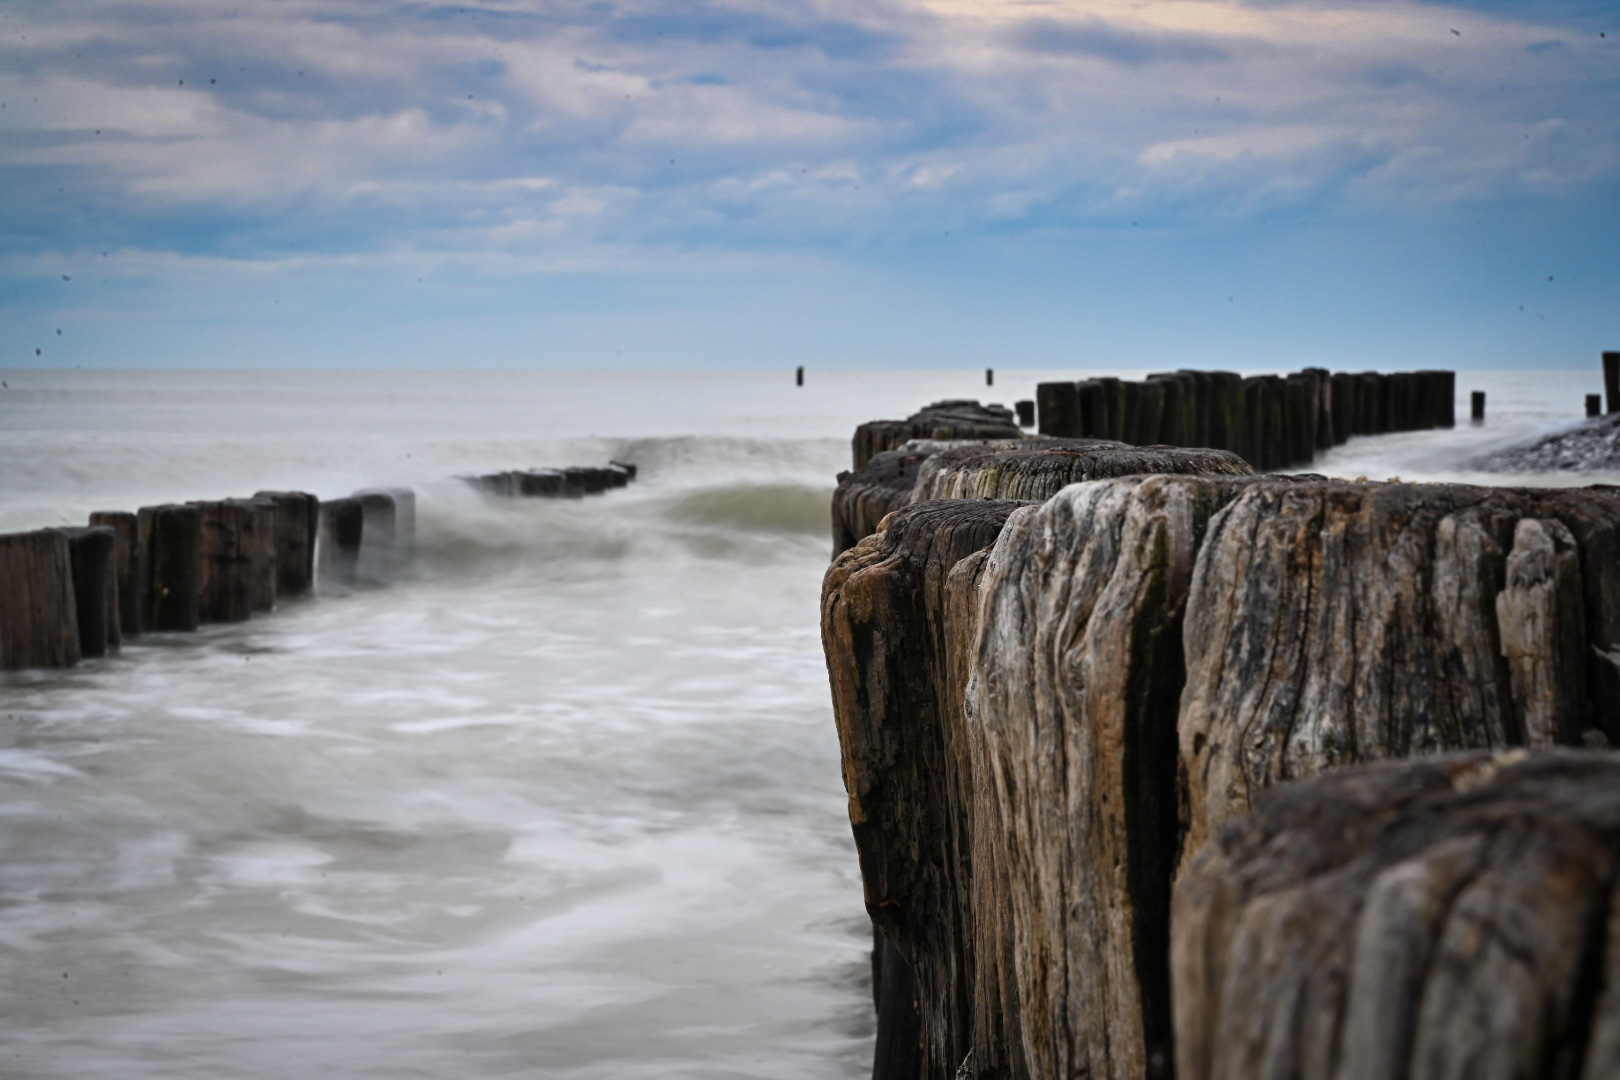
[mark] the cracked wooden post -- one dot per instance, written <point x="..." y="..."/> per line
<point x="38" y="621"/>
<point x="1449" y="916"/>
<point x="229" y="542"/>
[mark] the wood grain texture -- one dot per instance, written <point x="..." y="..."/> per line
<point x="38" y="621"/>
<point x="956" y="419"/>
<point x="1437" y="918"/>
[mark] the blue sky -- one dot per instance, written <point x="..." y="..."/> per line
<point x="935" y="183"/>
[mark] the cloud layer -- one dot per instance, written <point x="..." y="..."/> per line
<point x="533" y="136"/>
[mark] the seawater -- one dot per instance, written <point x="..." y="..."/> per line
<point x="565" y="802"/>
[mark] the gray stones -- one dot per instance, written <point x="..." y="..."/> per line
<point x="1588" y="445"/>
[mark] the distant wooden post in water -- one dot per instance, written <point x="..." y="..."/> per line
<point x="38" y="624"/>
<point x="1594" y="404"/>
<point x="989" y="376"/>
<point x="95" y="588"/>
<point x="171" y="536"/>
<point x="1611" y="379"/>
<point x="129" y="564"/>
<point x="338" y="553"/>
<point x="297" y="522"/>
<point x="1026" y="413"/>
<point x="798" y="377"/>
<point x="227" y="552"/>
<point x="1476" y="410"/>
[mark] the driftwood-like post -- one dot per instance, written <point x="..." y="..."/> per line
<point x="38" y="622"/>
<point x="379" y="535"/>
<point x="228" y="545"/>
<point x="297" y="524"/>
<point x="172" y="536"/>
<point x="91" y="556"/>
<point x="1026" y="413"/>
<point x="337" y="553"/>
<point x="129" y="564"/>
<point x="1449" y="916"/>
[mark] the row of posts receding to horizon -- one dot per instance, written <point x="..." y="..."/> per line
<point x="74" y="593"/>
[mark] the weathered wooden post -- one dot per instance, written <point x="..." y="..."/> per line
<point x="1056" y="405"/>
<point x="172" y="537"/>
<point x="1203" y="384"/>
<point x="1476" y="406"/>
<point x="1343" y="406"/>
<point x="630" y="468"/>
<point x="39" y="625"/>
<point x="297" y="523"/>
<point x="1149" y="412"/>
<point x="227" y="550"/>
<point x="266" y="528"/>
<point x="1611" y="379"/>
<point x="1130" y="425"/>
<point x="989" y="376"/>
<point x="1114" y="397"/>
<point x="1091" y="410"/>
<point x="1324" y="408"/>
<point x="1299" y="418"/>
<point x="1447" y="417"/>
<point x="1594" y="405"/>
<point x="129" y="567"/>
<point x="337" y="555"/>
<point x="95" y="588"/>
<point x="543" y="483"/>
<point x="404" y="524"/>
<point x="378" y="539"/>
<point x="798" y="376"/>
<point x="1228" y="422"/>
<point x="1026" y="413"/>
<point x="1178" y="425"/>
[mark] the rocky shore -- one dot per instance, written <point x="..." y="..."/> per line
<point x="1592" y="445"/>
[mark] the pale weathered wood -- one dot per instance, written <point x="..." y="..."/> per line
<point x="1039" y="469"/>
<point x="957" y="419"/>
<point x="38" y="621"/>
<point x="1449" y="917"/>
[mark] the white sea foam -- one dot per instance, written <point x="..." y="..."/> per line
<point x="564" y="803"/>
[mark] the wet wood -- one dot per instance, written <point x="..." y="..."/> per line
<point x="342" y="526"/>
<point x="266" y="528"/>
<point x="228" y="545"/>
<point x="92" y="558"/>
<point x="172" y="537"/>
<point x="129" y="565"/>
<point x="38" y="621"/>
<point x="297" y="526"/>
<point x="1439" y="918"/>
<point x="376" y="560"/>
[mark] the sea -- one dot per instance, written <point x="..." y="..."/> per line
<point x="564" y="801"/>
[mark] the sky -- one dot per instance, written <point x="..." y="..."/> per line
<point x="893" y="183"/>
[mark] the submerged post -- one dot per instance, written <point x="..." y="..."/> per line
<point x="1611" y="379"/>
<point x="989" y="376"/>
<point x="1594" y="404"/>
<point x="798" y="376"/>
<point x="338" y="552"/>
<point x="1476" y="411"/>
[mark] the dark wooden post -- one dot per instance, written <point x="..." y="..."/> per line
<point x="630" y="468"/>
<point x="1611" y="379"/>
<point x="989" y="376"/>
<point x="297" y="522"/>
<point x="404" y="522"/>
<point x="129" y="567"/>
<point x="1149" y="412"/>
<point x="228" y="547"/>
<point x="172" y="537"/>
<point x="1056" y="404"/>
<point x="1203" y="384"/>
<point x="798" y="376"/>
<point x="1594" y="405"/>
<point x="1178" y="425"/>
<point x="1091" y="410"/>
<point x="1026" y="413"/>
<point x="39" y="626"/>
<point x="379" y="535"/>
<point x="1228" y="420"/>
<point x="95" y="588"/>
<point x="1114" y="396"/>
<point x="1476" y="403"/>
<point x="265" y="536"/>
<point x="1342" y="405"/>
<point x="1299" y="403"/>
<point x="337" y="554"/>
<point x="1446" y="417"/>
<point x="546" y="483"/>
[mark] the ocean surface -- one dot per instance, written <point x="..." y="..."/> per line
<point x="563" y="803"/>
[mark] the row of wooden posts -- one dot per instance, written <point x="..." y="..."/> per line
<point x="1272" y="421"/>
<point x="68" y="594"/>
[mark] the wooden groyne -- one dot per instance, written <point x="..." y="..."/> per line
<point x="1052" y="707"/>
<point x="68" y="594"/>
<point x="1271" y="421"/>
